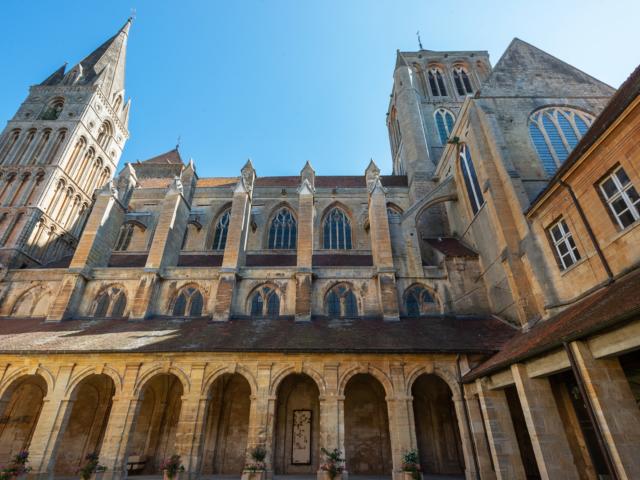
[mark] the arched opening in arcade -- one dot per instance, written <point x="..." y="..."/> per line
<point x="154" y="436"/>
<point x="437" y="433"/>
<point x="84" y="431"/>
<point x="296" y="448"/>
<point x="227" y="425"/>
<point x="366" y="424"/>
<point x="20" y="408"/>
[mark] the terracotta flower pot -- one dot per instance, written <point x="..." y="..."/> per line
<point x="409" y="475"/>
<point x="166" y="476"/>
<point x="324" y="475"/>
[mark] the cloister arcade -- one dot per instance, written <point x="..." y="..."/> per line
<point x="139" y="414"/>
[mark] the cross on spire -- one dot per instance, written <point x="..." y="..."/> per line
<point x="419" y="40"/>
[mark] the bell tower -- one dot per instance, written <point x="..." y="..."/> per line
<point x="64" y="141"/>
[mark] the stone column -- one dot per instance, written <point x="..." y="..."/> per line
<point x="402" y="431"/>
<point x="120" y="426"/>
<point x="52" y="422"/>
<point x="332" y="415"/>
<point x="483" y="454"/>
<point x="236" y="243"/>
<point x="304" y="277"/>
<point x="381" y="244"/>
<point x="614" y="406"/>
<point x="502" y="437"/>
<point x="262" y="417"/>
<point x="465" y="436"/>
<point x="550" y="445"/>
<point x="191" y="424"/>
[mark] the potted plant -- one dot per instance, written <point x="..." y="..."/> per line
<point x="172" y="467"/>
<point x="256" y="468"/>
<point x="411" y="466"/>
<point x="91" y="468"/>
<point x="333" y="465"/>
<point x="18" y="467"/>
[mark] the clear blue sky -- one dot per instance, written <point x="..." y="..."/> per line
<point x="287" y="81"/>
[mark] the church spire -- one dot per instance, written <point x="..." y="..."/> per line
<point x="106" y="64"/>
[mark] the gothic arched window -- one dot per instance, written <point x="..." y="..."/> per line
<point x="470" y="179"/>
<point x="124" y="237"/>
<point x="53" y="110"/>
<point x="341" y="302"/>
<point x="188" y="303"/>
<point x="104" y="134"/>
<point x="265" y="302"/>
<point x="444" y="122"/>
<point x="461" y="79"/>
<point x="110" y="303"/>
<point x="222" y="228"/>
<point x="436" y="83"/>
<point x="418" y="301"/>
<point x="555" y="131"/>
<point x="282" y="234"/>
<point x="9" y="143"/>
<point x="336" y="230"/>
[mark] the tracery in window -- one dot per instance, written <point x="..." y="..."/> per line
<point x="283" y="230"/>
<point x="468" y="170"/>
<point x="555" y="131"/>
<point x="336" y="230"/>
<point x="444" y="122"/>
<point x="222" y="228"/>
<point x="265" y="302"/>
<point x="436" y="83"/>
<point x="53" y="110"/>
<point x="341" y="302"/>
<point x="110" y="303"/>
<point x="188" y="303"/>
<point x="419" y="301"/>
<point x="461" y="79"/>
<point x="124" y="237"/>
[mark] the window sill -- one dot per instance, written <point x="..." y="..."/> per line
<point x="572" y="267"/>
<point x="622" y="233"/>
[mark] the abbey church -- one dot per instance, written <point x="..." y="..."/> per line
<point x="478" y="305"/>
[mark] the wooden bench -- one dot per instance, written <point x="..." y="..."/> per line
<point x="136" y="463"/>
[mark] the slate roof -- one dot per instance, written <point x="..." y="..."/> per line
<point x="609" y="306"/>
<point x="283" y="335"/>
<point x="170" y="157"/>
<point x="451" y="247"/>
<point x="619" y="102"/>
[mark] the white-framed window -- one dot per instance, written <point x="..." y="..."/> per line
<point x="436" y="83"/>
<point x="461" y="79"/>
<point x="444" y="123"/>
<point x="555" y="131"/>
<point x="566" y="250"/>
<point x="476" y="199"/>
<point x="622" y="197"/>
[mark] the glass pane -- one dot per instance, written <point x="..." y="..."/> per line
<point x="196" y="305"/>
<point x="548" y="163"/>
<point x="450" y="122"/>
<point x="442" y="131"/>
<point x="582" y="127"/>
<point x="333" y="305"/>
<point x="256" y="305"/>
<point x="626" y="219"/>
<point x="567" y="130"/>
<point x="413" y="307"/>
<point x="103" y="306"/>
<point x="632" y="194"/>
<point x="273" y="306"/>
<point x="554" y="137"/>
<point x="555" y="233"/>
<point x="443" y="90"/>
<point x="119" y="306"/>
<point x="563" y="249"/>
<point x="350" y="305"/>
<point x="180" y="305"/>
<point x="622" y="176"/>
<point x="619" y="206"/>
<point x="609" y="187"/>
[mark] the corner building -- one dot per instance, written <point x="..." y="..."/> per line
<point x="477" y="305"/>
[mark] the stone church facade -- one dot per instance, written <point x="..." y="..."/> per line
<point x="478" y="305"/>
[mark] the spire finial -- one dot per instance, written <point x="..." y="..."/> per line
<point x="419" y="40"/>
<point x="178" y="142"/>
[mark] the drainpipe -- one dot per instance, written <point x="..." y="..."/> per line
<point x="466" y="418"/>
<point x="587" y="225"/>
<point x="590" y="410"/>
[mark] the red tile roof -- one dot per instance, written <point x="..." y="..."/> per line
<point x="170" y="157"/>
<point x="609" y="306"/>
